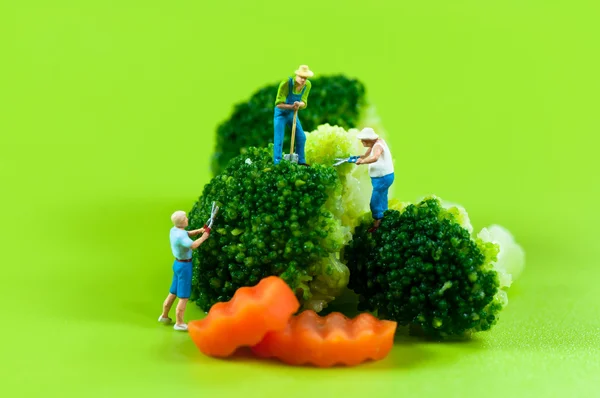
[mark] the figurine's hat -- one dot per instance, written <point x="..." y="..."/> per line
<point x="304" y="71"/>
<point x="367" y="134"/>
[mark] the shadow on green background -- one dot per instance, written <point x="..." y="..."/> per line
<point x="107" y="119"/>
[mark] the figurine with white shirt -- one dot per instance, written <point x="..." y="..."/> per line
<point x="381" y="171"/>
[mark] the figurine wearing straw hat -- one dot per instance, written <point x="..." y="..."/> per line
<point x="292" y="95"/>
<point x="381" y="171"/>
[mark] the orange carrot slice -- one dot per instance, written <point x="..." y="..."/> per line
<point x="245" y="319"/>
<point x="310" y="339"/>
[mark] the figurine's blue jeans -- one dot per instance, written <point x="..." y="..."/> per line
<point x="181" y="286"/>
<point x="282" y="118"/>
<point x="379" y="197"/>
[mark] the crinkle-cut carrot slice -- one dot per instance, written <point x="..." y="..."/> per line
<point x="245" y="319"/>
<point x="310" y="339"/>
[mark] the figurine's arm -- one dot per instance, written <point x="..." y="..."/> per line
<point x="304" y="100"/>
<point x="201" y="240"/>
<point x="286" y="106"/>
<point x="366" y="155"/>
<point x="377" y="151"/>
<point x="195" y="232"/>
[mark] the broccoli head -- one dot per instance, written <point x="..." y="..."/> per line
<point x="337" y="100"/>
<point x="423" y="267"/>
<point x="273" y="220"/>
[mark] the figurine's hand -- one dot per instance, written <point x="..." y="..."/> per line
<point x="359" y="161"/>
<point x="296" y="105"/>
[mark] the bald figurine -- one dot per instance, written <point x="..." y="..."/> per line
<point x="181" y="286"/>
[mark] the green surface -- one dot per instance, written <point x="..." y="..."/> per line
<point x="106" y="116"/>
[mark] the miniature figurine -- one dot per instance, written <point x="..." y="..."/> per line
<point x="292" y="95"/>
<point x="181" y="286"/>
<point x="381" y="171"/>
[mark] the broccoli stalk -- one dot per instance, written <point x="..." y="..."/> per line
<point x="337" y="100"/>
<point x="423" y="267"/>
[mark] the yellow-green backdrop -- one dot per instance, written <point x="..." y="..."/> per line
<point x="107" y="118"/>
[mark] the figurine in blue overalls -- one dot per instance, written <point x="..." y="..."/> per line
<point x="291" y="96"/>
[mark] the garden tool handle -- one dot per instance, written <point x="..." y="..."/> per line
<point x="293" y="131"/>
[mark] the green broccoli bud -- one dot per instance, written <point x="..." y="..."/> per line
<point x="511" y="258"/>
<point x="337" y="100"/>
<point x="422" y="267"/>
<point x="274" y="220"/>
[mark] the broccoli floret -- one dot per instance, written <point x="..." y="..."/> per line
<point x="511" y="258"/>
<point x="422" y="267"/>
<point x="273" y="220"/>
<point x="337" y="100"/>
<point x="326" y="144"/>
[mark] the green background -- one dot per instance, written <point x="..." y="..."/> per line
<point x="107" y="116"/>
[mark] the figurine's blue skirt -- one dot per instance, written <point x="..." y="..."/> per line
<point x="181" y="286"/>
